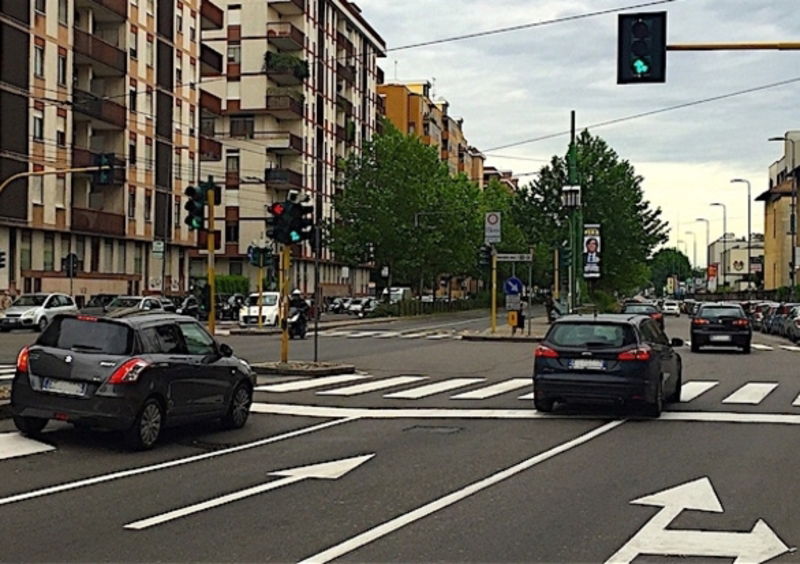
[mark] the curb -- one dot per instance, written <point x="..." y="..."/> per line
<point x="322" y="327"/>
<point x="501" y="339"/>
<point x="278" y="369"/>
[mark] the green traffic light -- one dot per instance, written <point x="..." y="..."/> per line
<point x="294" y="236"/>
<point x="640" y="66"/>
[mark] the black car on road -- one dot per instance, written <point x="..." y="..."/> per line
<point x="136" y="374"/>
<point x="616" y="359"/>
<point x="721" y="325"/>
<point x="649" y="309"/>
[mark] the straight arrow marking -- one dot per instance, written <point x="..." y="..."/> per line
<point x="323" y="471"/>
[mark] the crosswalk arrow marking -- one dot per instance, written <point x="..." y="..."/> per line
<point x="758" y="545"/>
<point x="323" y="471"/>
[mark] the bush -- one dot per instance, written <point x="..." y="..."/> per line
<point x="230" y="284"/>
<point x="605" y="302"/>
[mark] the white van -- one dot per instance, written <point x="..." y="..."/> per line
<point x="248" y="314"/>
<point x="397" y="294"/>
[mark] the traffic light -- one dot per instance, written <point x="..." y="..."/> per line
<point x="70" y="265"/>
<point x="2" y="259"/>
<point x="565" y="257"/>
<point x="642" y="48"/>
<point x="277" y="222"/>
<point x="485" y="255"/>
<point x="301" y="218"/>
<point x="105" y="175"/>
<point x="195" y="207"/>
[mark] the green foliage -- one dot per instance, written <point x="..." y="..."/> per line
<point x="605" y="302"/>
<point x="666" y="263"/>
<point x="229" y="284"/>
<point x="285" y="62"/>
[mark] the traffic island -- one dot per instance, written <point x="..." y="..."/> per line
<point x="503" y="334"/>
<point x="300" y="368"/>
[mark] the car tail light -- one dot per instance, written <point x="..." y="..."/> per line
<point x="656" y="315"/>
<point x="700" y="321"/>
<point x="741" y="323"/>
<point x="87" y="318"/>
<point x="22" y="360"/>
<point x="129" y="371"/>
<point x="545" y="352"/>
<point x="640" y="353"/>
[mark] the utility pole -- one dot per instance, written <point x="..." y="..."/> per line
<point x="572" y="200"/>
<point x="749" y="230"/>
<point x="212" y="281"/>
<point x="494" y="290"/>
<point x="284" y="289"/>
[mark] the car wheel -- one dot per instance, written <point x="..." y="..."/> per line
<point x="746" y="349"/>
<point x="4" y="329"/>
<point x="695" y="348"/>
<point x="146" y="429"/>
<point x="239" y="410"/>
<point x="654" y="409"/>
<point x="42" y="325"/>
<point x="543" y="405"/>
<point x="675" y="397"/>
<point x="29" y="425"/>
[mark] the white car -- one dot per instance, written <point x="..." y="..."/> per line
<point x="672" y="308"/>
<point x="34" y="311"/>
<point x="248" y="314"/>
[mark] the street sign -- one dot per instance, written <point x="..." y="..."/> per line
<point x="513" y="286"/>
<point x="345" y="272"/>
<point x="158" y="247"/>
<point x="657" y="538"/>
<point x="385" y="272"/>
<point x="491" y="228"/>
<point x="510" y="257"/>
<point x="513" y="302"/>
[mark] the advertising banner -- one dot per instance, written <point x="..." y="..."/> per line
<point x="592" y="249"/>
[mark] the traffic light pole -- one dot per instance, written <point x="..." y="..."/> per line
<point x="260" y="287"/>
<point x="212" y="282"/>
<point x="19" y="175"/>
<point x="285" y="265"/>
<point x="494" y="290"/>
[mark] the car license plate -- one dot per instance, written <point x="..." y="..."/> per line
<point x="584" y="364"/>
<point x="63" y="387"/>
<point x="720" y="338"/>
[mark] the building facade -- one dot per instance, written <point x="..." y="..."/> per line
<point x="298" y="95"/>
<point x="101" y="78"/>
<point x="504" y="177"/>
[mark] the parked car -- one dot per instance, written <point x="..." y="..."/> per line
<point x="137" y="374"/>
<point x="143" y="303"/>
<point x="190" y="306"/>
<point x="671" y="308"/>
<point x="793" y="324"/>
<point x="783" y="319"/>
<point x="721" y="325"/>
<point x="607" y="358"/>
<point x="338" y="305"/>
<point x="357" y="306"/>
<point x="248" y="315"/>
<point x="97" y="304"/>
<point x="757" y="315"/>
<point x="649" y="309"/>
<point x="35" y="311"/>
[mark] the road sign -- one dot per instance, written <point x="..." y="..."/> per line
<point x="513" y="302"/>
<point x="657" y="538"/>
<point x="510" y="257"/>
<point x="158" y="248"/>
<point x="491" y="228"/>
<point x="513" y="286"/>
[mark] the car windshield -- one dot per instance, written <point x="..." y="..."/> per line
<point x="124" y="302"/>
<point x="29" y="301"/>
<point x="716" y="312"/>
<point x="267" y="300"/>
<point x="640" y="308"/>
<point x="591" y="335"/>
<point x="98" y="301"/>
<point x="93" y="336"/>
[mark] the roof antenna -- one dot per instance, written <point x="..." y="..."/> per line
<point x="395" y="70"/>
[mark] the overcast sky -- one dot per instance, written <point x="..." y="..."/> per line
<point x="523" y="84"/>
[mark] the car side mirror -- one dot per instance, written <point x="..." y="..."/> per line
<point x="225" y="350"/>
<point x="676" y="343"/>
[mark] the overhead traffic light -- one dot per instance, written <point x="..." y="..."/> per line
<point x="301" y="218"/>
<point x="105" y="175"/>
<point x="195" y="207"/>
<point x="642" y="48"/>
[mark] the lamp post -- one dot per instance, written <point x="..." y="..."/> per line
<point x="708" y="243"/>
<point x="724" y="241"/>
<point x="793" y="213"/>
<point x="694" y="247"/>
<point x="749" y="229"/>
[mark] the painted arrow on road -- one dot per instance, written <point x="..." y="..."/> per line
<point x="758" y="545"/>
<point x="323" y="471"/>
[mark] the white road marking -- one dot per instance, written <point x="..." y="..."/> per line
<point x="363" y="334"/>
<point x="102" y="478"/>
<point x="692" y="390"/>
<point x="13" y="445"/>
<point x="334" y="333"/>
<point x="7" y="372"/>
<point x="439" y="336"/>
<point x="413" y="335"/>
<point x="308" y="384"/>
<point x="371" y="386"/>
<point x="401" y="521"/>
<point x="526" y="396"/>
<point x="496" y="389"/>
<point x="760" y="347"/>
<point x="796" y="401"/>
<point x="388" y="335"/>
<point x="434" y="388"/>
<point x="751" y="393"/>
<point x="790" y="348"/>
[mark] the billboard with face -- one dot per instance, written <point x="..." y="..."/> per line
<point x="592" y="249"/>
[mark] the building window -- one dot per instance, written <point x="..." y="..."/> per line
<point x="62" y="70"/>
<point x="80" y="246"/>
<point x="148" y="101"/>
<point x="191" y="122"/>
<point x="108" y="255"/>
<point x="132" y="205"/>
<point x="40" y="7"/>
<point x="38" y="125"/>
<point x="38" y="61"/>
<point x="63" y="14"/>
<point x="148" y="155"/>
<point x="231" y="232"/>
<point x="235" y="53"/>
<point x="61" y="131"/>
<point x="25" y="250"/>
<point x="179" y="70"/>
<point x="235" y="14"/>
<point x="132" y="96"/>
<point x="234" y="90"/>
<point x="49" y="251"/>
<point x="178" y="165"/>
<point x="148" y="205"/>
<point x="122" y="257"/>
<point x="134" y="43"/>
<point x="179" y="21"/>
<point x="242" y="126"/>
<point x="191" y="34"/>
<point x="150" y="7"/>
<point x="177" y="210"/>
<point x="61" y="191"/>
<point x="235" y="267"/>
<point x="137" y="259"/>
<point x="149" y="52"/>
<point x="207" y="128"/>
<point x="232" y="163"/>
<point x="37" y="189"/>
<point x="132" y="152"/>
<point x="191" y="167"/>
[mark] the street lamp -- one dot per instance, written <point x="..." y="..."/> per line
<point x="724" y="241"/>
<point x="694" y="247"/>
<point x="749" y="229"/>
<point x="793" y="214"/>
<point x="708" y="243"/>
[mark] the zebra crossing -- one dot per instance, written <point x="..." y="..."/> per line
<point x="764" y="348"/>
<point x="7" y="373"/>
<point x="417" y="387"/>
<point x="430" y="334"/>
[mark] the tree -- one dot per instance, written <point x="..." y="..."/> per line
<point x="666" y="263"/>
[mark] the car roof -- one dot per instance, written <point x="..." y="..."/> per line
<point x="628" y="318"/>
<point x="138" y="319"/>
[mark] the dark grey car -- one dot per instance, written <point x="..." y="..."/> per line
<point x="136" y="374"/>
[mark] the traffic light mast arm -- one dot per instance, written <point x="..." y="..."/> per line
<point x="19" y="175"/>
<point x="744" y="46"/>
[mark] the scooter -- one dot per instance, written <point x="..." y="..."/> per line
<point x="298" y="326"/>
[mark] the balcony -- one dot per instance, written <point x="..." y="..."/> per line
<point x="346" y="73"/>
<point x="211" y="16"/>
<point x="104" y="114"/>
<point x="210" y="61"/>
<point x="285" y="69"/>
<point x="105" y="10"/>
<point x="283" y="179"/>
<point x="285" y="36"/>
<point x="106" y="59"/>
<point x="97" y="222"/>
<point x="344" y="43"/>
<point x="341" y="133"/>
<point x="381" y="76"/>
<point x="284" y="107"/>
<point x="288" y="7"/>
<point x="344" y="104"/>
<point x="284" y="143"/>
<point x="381" y="106"/>
<point x="210" y="150"/>
<point x="84" y="158"/>
<point x="210" y="105"/>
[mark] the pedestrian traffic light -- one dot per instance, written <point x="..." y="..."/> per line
<point x="642" y="48"/>
<point x="195" y="207"/>
<point x="301" y="218"/>
<point x="105" y="175"/>
<point x="485" y="255"/>
<point x="2" y="259"/>
<point x="277" y="222"/>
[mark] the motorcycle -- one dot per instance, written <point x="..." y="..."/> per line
<point x="297" y="323"/>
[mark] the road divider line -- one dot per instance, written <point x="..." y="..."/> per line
<point x="760" y="347"/>
<point x="790" y="348"/>
<point x="751" y="393"/>
<point x="694" y="389"/>
<point x="495" y="389"/>
<point x="357" y="389"/>
<point x="309" y="384"/>
<point x="434" y="388"/>
<point x="102" y="478"/>
<point x="401" y="521"/>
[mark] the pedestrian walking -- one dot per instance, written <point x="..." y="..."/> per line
<point x="5" y="301"/>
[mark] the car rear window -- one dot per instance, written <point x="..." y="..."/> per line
<point x="594" y="335"/>
<point x="716" y="312"/>
<point x="646" y="309"/>
<point x="99" y="337"/>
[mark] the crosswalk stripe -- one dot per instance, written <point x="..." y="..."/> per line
<point x="691" y="390"/>
<point x="334" y="333"/>
<point x="363" y="334"/>
<point x="438" y="336"/>
<point x="790" y="348"/>
<point x="526" y="396"/>
<point x="763" y="347"/>
<point x="796" y="401"/>
<point x="751" y="393"/>
<point x="495" y="389"/>
<point x="388" y="335"/>
<point x="413" y="335"/>
<point x="14" y="444"/>
<point x="435" y="388"/>
<point x="371" y="386"/>
<point x="309" y="384"/>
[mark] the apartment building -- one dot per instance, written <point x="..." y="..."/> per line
<point x="91" y="78"/>
<point x="299" y="94"/>
<point x="505" y="177"/>
<point x="777" y="212"/>
<point x="410" y="108"/>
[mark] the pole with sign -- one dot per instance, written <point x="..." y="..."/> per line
<point x="492" y="233"/>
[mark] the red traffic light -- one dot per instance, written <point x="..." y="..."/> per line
<point x="277" y="209"/>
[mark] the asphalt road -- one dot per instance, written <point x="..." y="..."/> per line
<point x="439" y="460"/>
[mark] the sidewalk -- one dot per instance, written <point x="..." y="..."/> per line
<point x="538" y="329"/>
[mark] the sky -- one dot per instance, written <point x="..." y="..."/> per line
<point x="520" y="85"/>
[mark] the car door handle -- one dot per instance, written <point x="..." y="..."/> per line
<point x="179" y="358"/>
